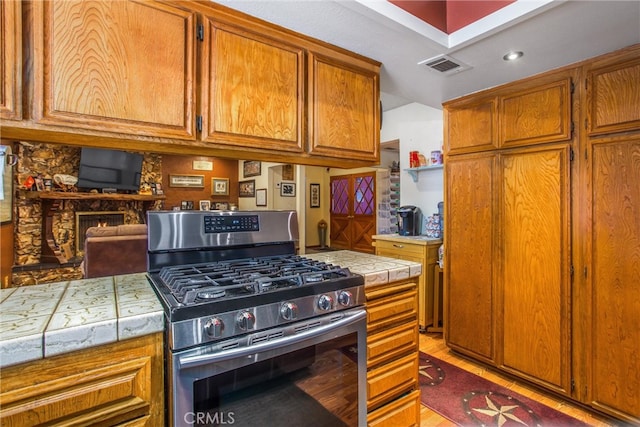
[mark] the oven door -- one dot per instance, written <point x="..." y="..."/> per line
<point x="310" y="373"/>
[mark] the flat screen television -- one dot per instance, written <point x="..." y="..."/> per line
<point x="109" y="170"/>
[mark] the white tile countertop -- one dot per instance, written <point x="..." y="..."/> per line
<point x="375" y="269"/>
<point x="44" y="320"/>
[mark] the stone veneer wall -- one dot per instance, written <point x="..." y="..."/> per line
<point x="45" y="160"/>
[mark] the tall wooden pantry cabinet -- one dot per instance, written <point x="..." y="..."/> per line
<point x="542" y="236"/>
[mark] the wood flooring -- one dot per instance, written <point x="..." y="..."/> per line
<point x="434" y="345"/>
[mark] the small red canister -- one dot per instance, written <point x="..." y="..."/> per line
<point x="414" y="162"/>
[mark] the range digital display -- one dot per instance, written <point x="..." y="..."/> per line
<point x="231" y="224"/>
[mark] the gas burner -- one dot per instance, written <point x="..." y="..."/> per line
<point x="214" y="281"/>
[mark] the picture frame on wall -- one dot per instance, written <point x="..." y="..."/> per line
<point x="187" y="181"/>
<point x="261" y="197"/>
<point x="314" y="195"/>
<point x="247" y="188"/>
<point x="220" y="186"/>
<point x="205" y="205"/>
<point x="287" y="189"/>
<point x="251" y="168"/>
<point x="287" y="172"/>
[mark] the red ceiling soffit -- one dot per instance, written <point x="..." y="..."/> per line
<point x="450" y="15"/>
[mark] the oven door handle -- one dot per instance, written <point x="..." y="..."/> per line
<point x="187" y="362"/>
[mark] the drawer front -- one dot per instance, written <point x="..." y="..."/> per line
<point x="389" y="381"/>
<point x="389" y="344"/>
<point x="394" y="309"/>
<point x="397" y="248"/>
<point x="401" y="412"/>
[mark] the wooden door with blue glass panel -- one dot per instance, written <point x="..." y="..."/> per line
<point x="353" y="212"/>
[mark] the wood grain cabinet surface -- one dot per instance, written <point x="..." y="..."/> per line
<point x="541" y="234"/>
<point x="471" y="125"/>
<point x="176" y="77"/>
<point x="425" y="253"/>
<point x="118" y="66"/>
<point x="11" y="55"/>
<point x="392" y="353"/>
<point x="114" y="384"/>
<point x="469" y="300"/>
<point x="253" y="87"/>
<point x="343" y="106"/>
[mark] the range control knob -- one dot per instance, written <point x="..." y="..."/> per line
<point x="245" y="320"/>
<point x="214" y="327"/>
<point x="325" y="302"/>
<point x="345" y="298"/>
<point x="289" y="311"/>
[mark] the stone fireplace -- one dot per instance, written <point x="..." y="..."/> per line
<point x="41" y="223"/>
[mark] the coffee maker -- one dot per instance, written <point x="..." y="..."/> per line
<point x="409" y="221"/>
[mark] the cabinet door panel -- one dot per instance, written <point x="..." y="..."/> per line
<point x="119" y="66"/>
<point x="615" y="300"/>
<point x="542" y="114"/>
<point x="343" y="109"/>
<point x="469" y="255"/>
<point x="613" y="98"/>
<point x="253" y="88"/>
<point x="471" y="126"/>
<point x="11" y="55"/>
<point x="535" y="264"/>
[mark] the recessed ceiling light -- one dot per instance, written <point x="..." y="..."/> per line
<point x="512" y="56"/>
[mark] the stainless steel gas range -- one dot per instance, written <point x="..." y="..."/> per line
<point x="255" y="332"/>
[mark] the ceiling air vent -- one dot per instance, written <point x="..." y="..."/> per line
<point x="444" y="64"/>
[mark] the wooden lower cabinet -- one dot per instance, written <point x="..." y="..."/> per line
<point x="402" y="412"/>
<point x="119" y="384"/>
<point x="424" y="252"/>
<point x="392" y="354"/>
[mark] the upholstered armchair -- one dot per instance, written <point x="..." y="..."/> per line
<point x="110" y="251"/>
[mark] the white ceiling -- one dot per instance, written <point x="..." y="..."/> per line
<point x="550" y="33"/>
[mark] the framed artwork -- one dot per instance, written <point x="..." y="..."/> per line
<point x="314" y="195"/>
<point x="261" y="197"/>
<point x="191" y="181"/>
<point x="287" y="189"/>
<point x="220" y="186"/>
<point x="222" y="206"/>
<point x="39" y="184"/>
<point x="247" y="188"/>
<point x="251" y="168"/>
<point x="287" y="172"/>
<point x="186" y="205"/>
<point x="205" y="205"/>
<point x="202" y="165"/>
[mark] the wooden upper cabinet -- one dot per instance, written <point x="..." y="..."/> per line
<point x="253" y="88"/>
<point x="471" y="126"/>
<point x="344" y="107"/>
<point x="540" y="114"/>
<point x="11" y="64"/>
<point x="118" y="66"/>
<point x="613" y="97"/>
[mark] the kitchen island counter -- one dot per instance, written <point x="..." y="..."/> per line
<point x="40" y="321"/>
<point x="375" y="269"/>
